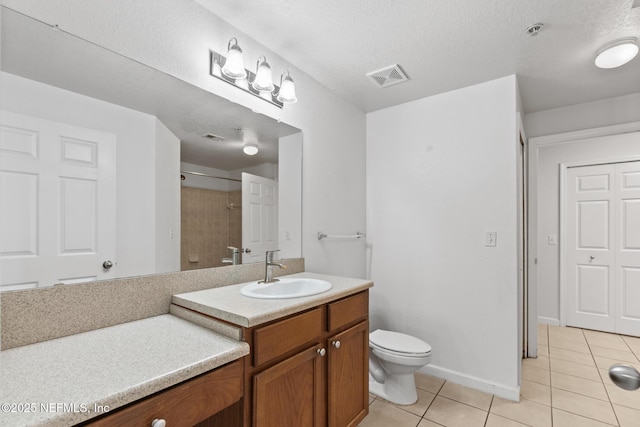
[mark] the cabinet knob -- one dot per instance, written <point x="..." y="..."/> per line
<point x="158" y="423"/>
<point x="336" y="344"/>
<point x="321" y="352"/>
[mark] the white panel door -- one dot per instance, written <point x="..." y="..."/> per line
<point x="628" y="248"/>
<point x="603" y="247"/>
<point x="57" y="202"/>
<point x="590" y="254"/>
<point x="259" y="217"/>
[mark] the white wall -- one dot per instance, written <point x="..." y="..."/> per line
<point x="549" y="157"/>
<point x="167" y="203"/>
<point x="290" y="195"/>
<point x="136" y="173"/>
<point x="606" y="112"/>
<point x="175" y="37"/>
<point x="441" y="171"/>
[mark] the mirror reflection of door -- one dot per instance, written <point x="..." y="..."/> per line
<point x="259" y="217"/>
<point x="57" y="202"/>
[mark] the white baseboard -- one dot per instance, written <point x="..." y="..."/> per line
<point x="548" y="321"/>
<point x="499" y="390"/>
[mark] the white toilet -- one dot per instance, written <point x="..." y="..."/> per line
<point x="393" y="358"/>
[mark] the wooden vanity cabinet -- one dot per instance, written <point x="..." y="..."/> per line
<point x="212" y="399"/>
<point x="310" y="369"/>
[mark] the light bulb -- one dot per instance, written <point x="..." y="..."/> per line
<point x="263" y="82"/>
<point x="234" y="65"/>
<point x="287" y="93"/>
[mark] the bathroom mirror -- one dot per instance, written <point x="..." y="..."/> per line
<point x="161" y="128"/>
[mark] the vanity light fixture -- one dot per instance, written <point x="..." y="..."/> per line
<point x="234" y="65"/>
<point x="287" y="93"/>
<point x="617" y="53"/>
<point x="263" y="82"/>
<point x="231" y="70"/>
<point x="250" y="149"/>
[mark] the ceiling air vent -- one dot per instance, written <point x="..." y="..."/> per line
<point x="388" y="76"/>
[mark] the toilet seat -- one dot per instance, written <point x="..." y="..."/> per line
<point x="398" y="344"/>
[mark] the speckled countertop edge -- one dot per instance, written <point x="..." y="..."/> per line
<point x="228" y="304"/>
<point x="70" y="370"/>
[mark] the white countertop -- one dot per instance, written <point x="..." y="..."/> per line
<point x="227" y="303"/>
<point x="67" y="380"/>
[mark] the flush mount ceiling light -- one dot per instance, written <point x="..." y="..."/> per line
<point x="231" y="70"/>
<point x="263" y="81"/>
<point x="234" y="65"/>
<point x="250" y="149"/>
<point x="617" y="53"/>
<point x="287" y="93"/>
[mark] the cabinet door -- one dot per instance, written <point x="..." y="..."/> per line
<point x="291" y="392"/>
<point x="348" y="376"/>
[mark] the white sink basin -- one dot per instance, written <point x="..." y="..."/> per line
<point x="286" y="288"/>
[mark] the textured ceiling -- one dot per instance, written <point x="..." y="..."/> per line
<point x="444" y="45"/>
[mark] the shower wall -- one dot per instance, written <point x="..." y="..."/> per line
<point x="211" y="221"/>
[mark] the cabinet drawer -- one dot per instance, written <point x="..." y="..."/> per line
<point x="185" y="404"/>
<point x="347" y="310"/>
<point x="274" y="340"/>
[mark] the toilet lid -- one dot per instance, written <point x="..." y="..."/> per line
<point x="398" y="342"/>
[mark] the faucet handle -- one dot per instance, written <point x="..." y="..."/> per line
<point x="269" y="255"/>
<point x="233" y="249"/>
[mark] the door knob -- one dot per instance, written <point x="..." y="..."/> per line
<point x="591" y="258"/>
<point x="107" y="264"/>
<point x="247" y="250"/>
<point x="158" y="423"/>
<point x="336" y="344"/>
<point x="321" y="352"/>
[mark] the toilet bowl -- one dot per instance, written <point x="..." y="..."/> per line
<point x="393" y="359"/>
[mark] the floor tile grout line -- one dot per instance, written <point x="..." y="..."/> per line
<point x="584" y="416"/>
<point x="486" y="419"/>
<point x="600" y="375"/>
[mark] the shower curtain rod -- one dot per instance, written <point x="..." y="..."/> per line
<point x="211" y="176"/>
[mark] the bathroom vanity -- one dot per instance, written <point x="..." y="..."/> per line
<point x="310" y="354"/>
<point x="218" y="359"/>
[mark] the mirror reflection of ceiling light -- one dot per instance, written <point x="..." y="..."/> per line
<point x="250" y="149"/>
<point x="617" y="53"/>
<point x="231" y="70"/>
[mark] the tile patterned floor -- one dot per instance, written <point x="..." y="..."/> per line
<point x="566" y="386"/>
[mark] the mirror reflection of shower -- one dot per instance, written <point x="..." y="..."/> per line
<point x="211" y="217"/>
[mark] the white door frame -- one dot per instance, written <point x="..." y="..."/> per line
<point x="535" y="144"/>
<point x="563" y="225"/>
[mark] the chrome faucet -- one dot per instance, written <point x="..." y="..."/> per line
<point x="235" y="256"/>
<point x="268" y="267"/>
